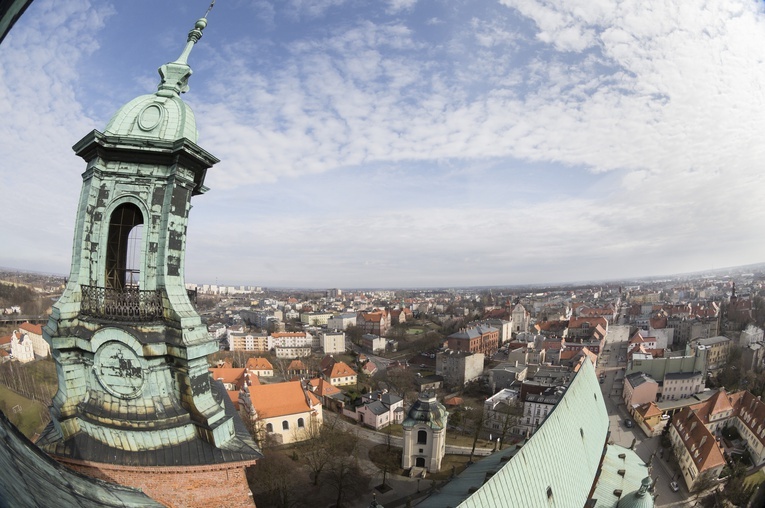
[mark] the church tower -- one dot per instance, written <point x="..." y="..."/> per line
<point x="424" y="434"/>
<point x="135" y="395"/>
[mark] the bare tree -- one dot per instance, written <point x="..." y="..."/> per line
<point x="474" y="418"/>
<point x="703" y="483"/>
<point x="343" y="473"/>
<point x="320" y="447"/>
<point x="274" y="480"/>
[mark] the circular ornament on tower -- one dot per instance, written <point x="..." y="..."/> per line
<point x="150" y="117"/>
<point x="119" y="370"/>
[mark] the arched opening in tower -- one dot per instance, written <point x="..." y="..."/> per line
<point x="124" y="247"/>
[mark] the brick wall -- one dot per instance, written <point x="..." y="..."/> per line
<point x="207" y="486"/>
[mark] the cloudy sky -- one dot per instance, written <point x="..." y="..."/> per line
<point x="411" y="142"/>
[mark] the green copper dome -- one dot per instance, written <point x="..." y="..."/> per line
<point x="162" y="115"/>
<point x="154" y="117"/>
<point x="426" y="410"/>
<point x="641" y="498"/>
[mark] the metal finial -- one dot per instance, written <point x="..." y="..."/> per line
<point x="212" y="4"/>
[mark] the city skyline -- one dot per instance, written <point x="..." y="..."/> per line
<point x="410" y="143"/>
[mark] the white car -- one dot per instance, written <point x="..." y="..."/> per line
<point x="674" y="486"/>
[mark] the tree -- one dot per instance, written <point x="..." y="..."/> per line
<point x="736" y="491"/>
<point x="343" y="473"/>
<point x="354" y="333"/>
<point x="319" y="449"/>
<point x="703" y="483"/>
<point x="274" y="480"/>
<point x="511" y="413"/>
<point x="474" y="419"/>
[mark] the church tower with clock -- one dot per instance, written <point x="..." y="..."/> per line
<point x="135" y="401"/>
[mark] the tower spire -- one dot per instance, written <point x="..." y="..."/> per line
<point x="175" y="75"/>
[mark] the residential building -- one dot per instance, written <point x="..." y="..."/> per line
<point x="380" y="409"/>
<point x="506" y="375"/>
<point x="657" y="368"/>
<point x="283" y="412"/>
<point x="753" y="356"/>
<point x="291" y="339"/>
<point x="315" y="318"/>
<point x="340" y="374"/>
<point x="697" y="451"/>
<point x="536" y="407"/>
<point x="288" y="352"/>
<point x="261" y="318"/>
<point x="331" y="397"/>
<point x="586" y="328"/>
<point x="232" y="378"/>
<point x="244" y="341"/>
<point x="341" y="321"/>
<point x="332" y="341"/>
<point x="504" y="326"/>
<point x="681" y="385"/>
<point x="260" y="367"/>
<point x="648" y="417"/>
<point x="695" y="430"/>
<point x="717" y="348"/>
<point x="459" y="367"/>
<point x="296" y="369"/>
<point x="376" y="322"/>
<point x="475" y="339"/>
<point x="750" y="335"/>
<point x="639" y="388"/>
<point x="373" y="343"/>
<point x="502" y="413"/>
<point x="429" y="383"/>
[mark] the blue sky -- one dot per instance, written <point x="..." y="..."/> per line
<point x="411" y="142"/>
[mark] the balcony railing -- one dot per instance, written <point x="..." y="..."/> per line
<point x="128" y="304"/>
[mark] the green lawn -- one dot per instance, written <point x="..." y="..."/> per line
<point x="755" y="479"/>
<point x="29" y="418"/>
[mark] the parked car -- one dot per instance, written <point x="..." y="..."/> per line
<point x="665" y="417"/>
<point x="674" y="486"/>
<point x="629" y="424"/>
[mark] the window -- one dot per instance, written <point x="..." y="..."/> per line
<point x="422" y="437"/>
<point x="301" y="423"/>
<point x="269" y="427"/>
<point x="285" y="425"/>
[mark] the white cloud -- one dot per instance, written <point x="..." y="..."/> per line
<point x="650" y="114"/>
<point x="395" y="6"/>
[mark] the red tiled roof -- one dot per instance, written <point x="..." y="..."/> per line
<point x="341" y="369"/>
<point x="280" y="399"/>
<point x="29" y="327"/>
<point x="296" y="365"/>
<point x="259" y="363"/>
<point x="228" y="375"/>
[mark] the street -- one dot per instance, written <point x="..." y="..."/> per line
<point x="613" y="363"/>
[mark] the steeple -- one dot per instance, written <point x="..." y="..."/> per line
<point x="175" y="75"/>
<point x="163" y="115"/>
<point x="130" y="348"/>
